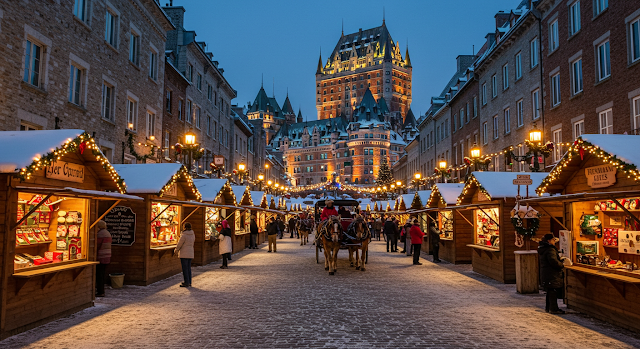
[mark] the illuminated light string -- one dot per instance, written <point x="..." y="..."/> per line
<point x="73" y="145"/>
<point x="185" y="174"/>
<point x="630" y="170"/>
<point x="472" y="181"/>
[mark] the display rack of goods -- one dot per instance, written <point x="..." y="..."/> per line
<point x="446" y="224"/>
<point x="610" y="237"/>
<point x="210" y="224"/>
<point x="165" y="228"/>
<point x="487" y="229"/>
<point x="632" y="204"/>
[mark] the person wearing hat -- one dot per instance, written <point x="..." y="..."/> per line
<point x="551" y="275"/>
<point x="328" y="210"/>
<point x="434" y="240"/>
<point x="416" y="241"/>
<point x="253" y="233"/>
<point x="103" y="241"/>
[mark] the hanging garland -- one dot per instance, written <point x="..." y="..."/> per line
<point x="530" y="230"/>
<point x="132" y="150"/>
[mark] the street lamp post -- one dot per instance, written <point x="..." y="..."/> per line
<point x="417" y="178"/>
<point x="442" y="167"/>
<point x="535" y="137"/>
<point x="536" y="149"/>
<point x="242" y="172"/>
<point x="190" y="145"/>
<point x="260" y="180"/>
<point x="399" y="186"/>
<point x="475" y="156"/>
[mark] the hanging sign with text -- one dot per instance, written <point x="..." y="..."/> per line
<point x="601" y="176"/>
<point x="121" y="223"/>
<point x="65" y="171"/>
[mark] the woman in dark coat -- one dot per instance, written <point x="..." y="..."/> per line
<point x="551" y="272"/>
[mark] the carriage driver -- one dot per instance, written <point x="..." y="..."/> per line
<point x="328" y="210"/>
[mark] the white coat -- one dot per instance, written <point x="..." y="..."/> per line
<point x="185" y="244"/>
<point x="225" y="244"/>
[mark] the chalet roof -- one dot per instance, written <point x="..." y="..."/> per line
<point x="210" y="187"/>
<point x="152" y="178"/>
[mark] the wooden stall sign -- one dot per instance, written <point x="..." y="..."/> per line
<point x="121" y="223"/>
<point x="65" y="171"/>
<point x="601" y="176"/>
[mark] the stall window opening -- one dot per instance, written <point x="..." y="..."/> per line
<point x="165" y="228"/>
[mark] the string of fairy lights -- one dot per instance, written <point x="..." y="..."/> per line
<point x="183" y="172"/>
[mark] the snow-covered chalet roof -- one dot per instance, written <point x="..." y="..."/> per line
<point x="498" y="185"/>
<point x="147" y="178"/>
<point x="238" y="192"/>
<point x="21" y="148"/>
<point x="256" y="197"/>
<point x="210" y="187"/>
<point x="624" y="147"/>
<point x="449" y="192"/>
<point x="424" y="195"/>
<point x="407" y="199"/>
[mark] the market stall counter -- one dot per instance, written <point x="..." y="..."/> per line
<point x="144" y="250"/>
<point x="598" y="182"/>
<point x="491" y="198"/>
<point x="50" y="182"/>
<point x="456" y="226"/>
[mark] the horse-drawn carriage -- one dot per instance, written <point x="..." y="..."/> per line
<point x="347" y="231"/>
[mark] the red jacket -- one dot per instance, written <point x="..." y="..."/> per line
<point x="328" y="212"/>
<point x="416" y="234"/>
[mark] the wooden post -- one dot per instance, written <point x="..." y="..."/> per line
<point x="527" y="273"/>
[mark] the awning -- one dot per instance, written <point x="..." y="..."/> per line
<point x="582" y="196"/>
<point x="81" y="193"/>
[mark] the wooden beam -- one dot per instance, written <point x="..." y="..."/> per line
<point x="552" y="217"/>
<point x="159" y="214"/>
<point x="104" y="214"/>
<point x="463" y="217"/>
<point x="189" y="215"/>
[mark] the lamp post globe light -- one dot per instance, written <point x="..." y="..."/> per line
<point x="442" y="169"/>
<point x="190" y="145"/>
<point x="260" y="180"/>
<point x="537" y="150"/>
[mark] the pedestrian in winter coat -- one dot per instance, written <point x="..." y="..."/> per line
<point x="186" y="253"/>
<point x="407" y="238"/>
<point x="281" y="226"/>
<point x="272" y="234"/>
<point x="417" y="236"/>
<point x="377" y="226"/>
<point x="253" y="230"/>
<point x="104" y="256"/>
<point x="551" y="276"/>
<point x="398" y="228"/>
<point x="225" y="247"/>
<point x="328" y="210"/>
<point x="389" y="231"/>
<point x="434" y="241"/>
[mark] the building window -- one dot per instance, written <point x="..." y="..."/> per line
<point x="180" y="102"/>
<point x="226" y="138"/>
<point x="151" y="124"/>
<point x="604" y="64"/>
<point x="576" y="76"/>
<point x="461" y="117"/>
<point x="636" y="112"/>
<point x="606" y="122"/>
<point x="197" y="117"/>
<point x="520" y="112"/>
<point x="507" y="121"/>
<point x="32" y="63"/>
<point x="599" y="6"/>
<point x="555" y="90"/>
<point x="518" y="65"/>
<point x="168" y="101"/>
<point x="75" y="85"/>
<point x="578" y="129"/>
<point x="557" y="140"/>
<point x="634" y="31"/>
<point x="485" y="134"/>
<point x="475" y="105"/>
<point x="209" y="92"/>
<point x="167" y="143"/>
<point x="534" y="52"/>
<point x="535" y="104"/>
<point x="81" y="9"/>
<point x="494" y="85"/>
<point x="574" y="18"/>
<point x="199" y="82"/>
<point x="132" y="114"/>
<point x="189" y="72"/>
<point x="111" y="28"/>
<point x="208" y="125"/>
<point x="107" y="101"/>
<point x="484" y="96"/>
<point x="188" y="112"/>
<point x="505" y="76"/>
<point x="134" y="48"/>
<point x="496" y="124"/>
<point x="153" y="65"/>
<point x="554" y="39"/>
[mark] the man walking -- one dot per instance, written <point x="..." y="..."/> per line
<point x="292" y="226"/>
<point x="281" y="226"/>
<point x="389" y="231"/>
<point x="272" y="234"/>
<point x="253" y="230"/>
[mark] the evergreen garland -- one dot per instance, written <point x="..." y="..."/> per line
<point x="132" y="150"/>
<point x="530" y="230"/>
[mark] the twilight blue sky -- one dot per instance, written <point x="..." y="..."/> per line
<point x="281" y="39"/>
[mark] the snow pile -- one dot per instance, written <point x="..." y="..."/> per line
<point x="147" y="178"/>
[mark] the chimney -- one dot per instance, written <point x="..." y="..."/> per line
<point x="491" y="38"/>
<point x="501" y="18"/>
<point x="464" y="61"/>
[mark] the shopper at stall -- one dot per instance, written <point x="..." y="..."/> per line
<point x="103" y="240"/>
<point x="292" y="226"/>
<point x="225" y="247"/>
<point x="272" y="234"/>
<point x="281" y="226"/>
<point x="389" y="231"/>
<point x="328" y="210"/>
<point x="378" y="228"/>
<point x="397" y="237"/>
<point x="434" y="241"/>
<point x="551" y="276"/>
<point x="416" y="235"/>
<point x="186" y="253"/>
<point x="405" y="238"/>
<point x="253" y="233"/>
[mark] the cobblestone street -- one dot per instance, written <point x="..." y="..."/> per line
<point x="285" y="300"/>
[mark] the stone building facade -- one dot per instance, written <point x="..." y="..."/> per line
<point x="95" y="65"/>
<point x="367" y="59"/>
<point x="509" y="86"/>
<point x="591" y="56"/>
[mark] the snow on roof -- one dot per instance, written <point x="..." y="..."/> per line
<point x="499" y="184"/>
<point x="450" y="192"/>
<point x="238" y="191"/>
<point x="104" y="194"/>
<point x="407" y="199"/>
<point x="256" y="197"/>
<point x="424" y="196"/>
<point x="624" y="147"/>
<point x="209" y="187"/>
<point x="147" y="178"/>
<point x="21" y="148"/>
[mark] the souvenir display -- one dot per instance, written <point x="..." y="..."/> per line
<point x="211" y="219"/>
<point x="590" y="225"/>
<point x="445" y="224"/>
<point x="610" y="237"/>
<point x="165" y="229"/>
<point x="487" y="229"/>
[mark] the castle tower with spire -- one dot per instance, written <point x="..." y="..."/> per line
<point x="365" y="59"/>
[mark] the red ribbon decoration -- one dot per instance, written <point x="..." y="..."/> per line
<point x="82" y="147"/>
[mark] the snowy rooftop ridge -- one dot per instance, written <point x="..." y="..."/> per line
<point x="424" y="195"/>
<point x="449" y="192"/>
<point x="22" y="148"/>
<point x="147" y="178"/>
<point x="624" y="147"/>
<point x="256" y="197"/>
<point x="238" y="191"/>
<point x="209" y="187"/>
<point x="499" y="184"/>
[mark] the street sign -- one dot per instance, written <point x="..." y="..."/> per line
<point x="218" y="160"/>
<point x="522" y="182"/>
<point x="524" y="176"/>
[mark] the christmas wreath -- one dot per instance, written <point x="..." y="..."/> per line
<point x="529" y="230"/>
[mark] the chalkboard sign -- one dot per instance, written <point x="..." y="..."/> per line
<point x="121" y="223"/>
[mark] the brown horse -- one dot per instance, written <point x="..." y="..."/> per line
<point x="330" y="231"/>
<point x="304" y="228"/>
<point x="359" y="235"/>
